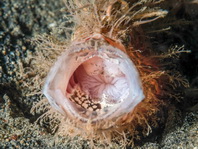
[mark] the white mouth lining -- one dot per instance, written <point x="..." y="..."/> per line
<point x="62" y="104"/>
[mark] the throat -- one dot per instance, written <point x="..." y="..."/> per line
<point x="97" y="84"/>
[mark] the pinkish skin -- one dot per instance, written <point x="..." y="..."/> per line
<point x="93" y="83"/>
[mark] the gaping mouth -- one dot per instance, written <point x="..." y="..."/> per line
<point x="96" y="86"/>
<point x="93" y="84"/>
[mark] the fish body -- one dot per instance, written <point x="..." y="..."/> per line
<point x="108" y="84"/>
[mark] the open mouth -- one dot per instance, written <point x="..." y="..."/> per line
<point x="93" y="83"/>
<point x="96" y="86"/>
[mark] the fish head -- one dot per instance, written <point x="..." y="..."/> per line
<point x="92" y="81"/>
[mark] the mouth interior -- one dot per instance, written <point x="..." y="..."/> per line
<point x="96" y="86"/>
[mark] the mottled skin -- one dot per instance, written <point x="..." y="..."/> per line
<point x="84" y="101"/>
